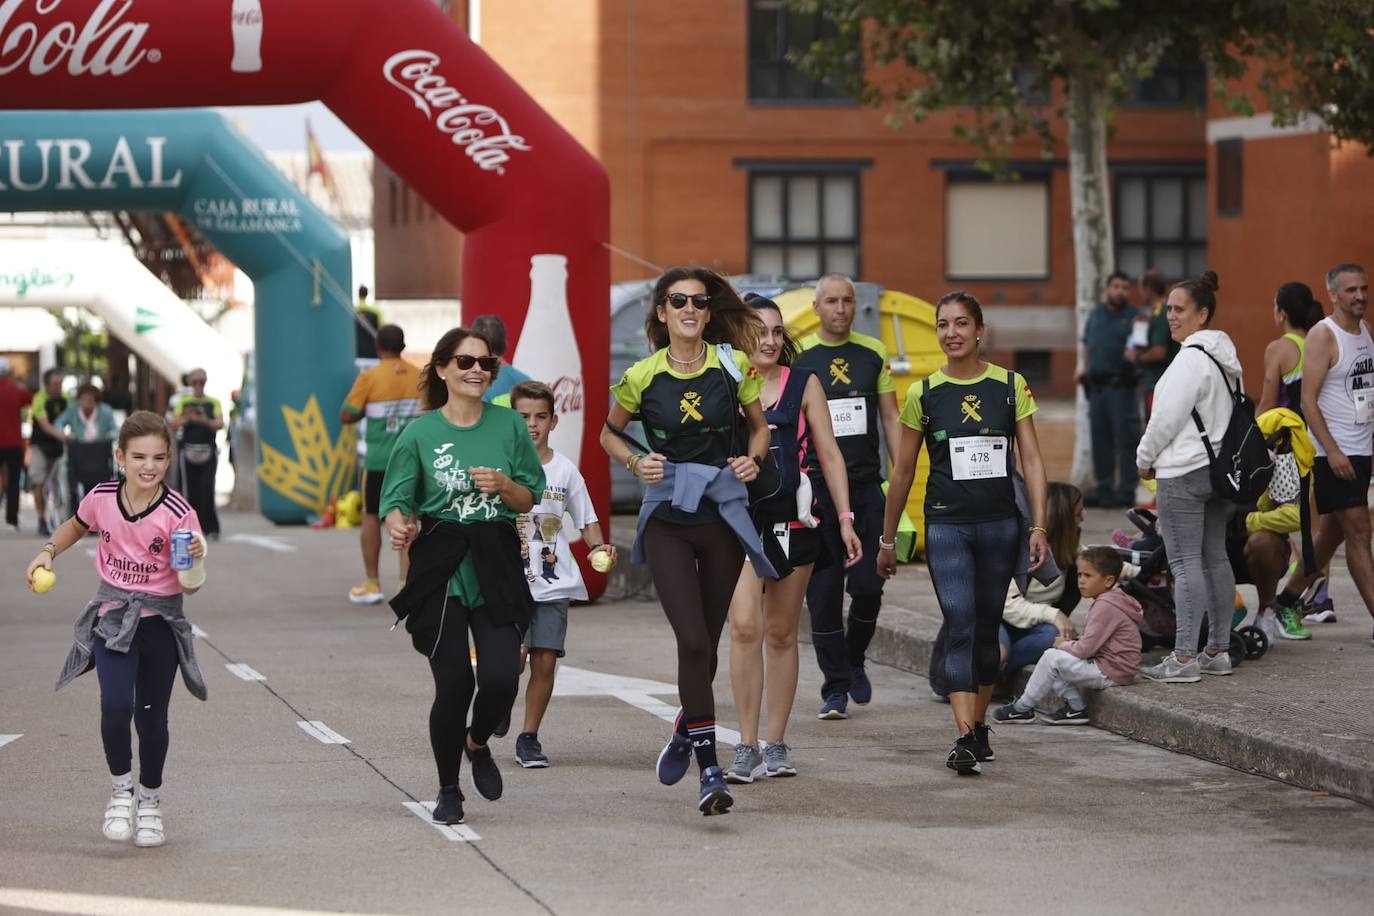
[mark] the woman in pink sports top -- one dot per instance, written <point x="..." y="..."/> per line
<point x="759" y="617"/>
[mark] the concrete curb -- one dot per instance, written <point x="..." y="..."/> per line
<point x="904" y="640"/>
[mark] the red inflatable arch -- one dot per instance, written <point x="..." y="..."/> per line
<point x="407" y="81"/>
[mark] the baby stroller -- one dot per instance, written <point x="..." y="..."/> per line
<point x="1153" y="587"/>
<point x="88" y="464"/>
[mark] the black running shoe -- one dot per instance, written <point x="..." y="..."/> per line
<point x="503" y="729"/>
<point x="485" y="775"/>
<point x="981" y="749"/>
<point x="1067" y="715"/>
<point x="448" y="808"/>
<point x="1010" y="713"/>
<point x="528" y="751"/>
<point x="860" y="687"/>
<point x="963" y="759"/>
<point x="715" y="794"/>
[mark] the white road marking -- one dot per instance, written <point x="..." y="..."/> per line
<point x="271" y="542"/>
<point x="102" y="905"/>
<point x="6" y="739"/>
<point x="244" y="673"/>
<point x="198" y="633"/>
<point x="322" y="733"/>
<point x="638" y="692"/>
<point x="460" y="833"/>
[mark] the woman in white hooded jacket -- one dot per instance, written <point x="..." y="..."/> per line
<point x="1192" y="518"/>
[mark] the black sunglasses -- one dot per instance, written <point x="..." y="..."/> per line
<point x="466" y="362"/>
<point x="679" y="300"/>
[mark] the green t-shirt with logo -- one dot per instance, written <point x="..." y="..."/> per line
<point x="428" y="475"/>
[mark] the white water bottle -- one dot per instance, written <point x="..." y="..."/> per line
<point x="548" y="352"/>
<point x="246" y="25"/>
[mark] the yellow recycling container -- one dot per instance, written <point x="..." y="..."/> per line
<point x="908" y="332"/>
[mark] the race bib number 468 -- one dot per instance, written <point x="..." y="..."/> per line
<point x="849" y="417"/>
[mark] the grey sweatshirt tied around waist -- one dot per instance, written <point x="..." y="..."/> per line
<point x="116" y="628"/>
<point x="684" y="485"/>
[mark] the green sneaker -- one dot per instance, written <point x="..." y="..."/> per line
<point x="1290" y="624"/>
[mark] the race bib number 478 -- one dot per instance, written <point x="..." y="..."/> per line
<point x="978" y="457"/>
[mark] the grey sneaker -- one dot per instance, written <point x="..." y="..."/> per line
<point x="1173" y="671"/>
<point x="1219" y="664"/>
<point x="748" y="764"/>
<point x="776" y="761"/>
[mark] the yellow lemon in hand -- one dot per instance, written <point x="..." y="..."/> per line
<point x="43" y="580"/>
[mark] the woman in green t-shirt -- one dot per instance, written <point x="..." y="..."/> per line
<point x="457" y="478"/>
<point x="689" y="395"/>
<point x="969" y="414"/>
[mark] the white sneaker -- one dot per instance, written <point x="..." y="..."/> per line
<point x="1215" y="664"/>
<point x="149" y="824"/>
<point x="1268" y="623"/>
<point x="1173" y="671"/>
<point x="119" y="817"/>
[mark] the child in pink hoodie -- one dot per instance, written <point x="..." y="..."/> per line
<point x="1106" y="655"/>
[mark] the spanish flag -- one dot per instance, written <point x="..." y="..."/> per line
<point x="316" y="164"/>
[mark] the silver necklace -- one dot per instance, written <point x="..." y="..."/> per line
<point x="688" y="362"/>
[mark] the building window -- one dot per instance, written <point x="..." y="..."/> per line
<point x="1172" y="85"/>
<point x="804" y="224"/>
<point x="1034" y="366"/>
<point x="1161" y="222"/>
<point x="774" y="30"/>
<point x="1230" y="175"/>
<point x="997" y="229"/>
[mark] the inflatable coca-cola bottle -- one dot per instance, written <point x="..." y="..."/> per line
<point x="548" y="352"/>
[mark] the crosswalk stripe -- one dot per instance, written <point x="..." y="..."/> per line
<point x="460" y="833"/>
<point x="322" y="733"/>
<point x="6" y="739"/>
<point x="245" y="673"/>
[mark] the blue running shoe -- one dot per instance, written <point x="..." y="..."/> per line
<point x="835" y="707"/>
<point x="715" y="794"/>
<point x="675" y="759"/>
<point x="860" y="688"/>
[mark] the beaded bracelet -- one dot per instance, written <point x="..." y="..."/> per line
<point x="1035" y="528"/>
<point x="886" y="545"/>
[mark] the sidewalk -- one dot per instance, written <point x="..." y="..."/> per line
<point x="1302" y="714"/>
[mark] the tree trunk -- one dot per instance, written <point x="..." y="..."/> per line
<point x="1092" y="235"/>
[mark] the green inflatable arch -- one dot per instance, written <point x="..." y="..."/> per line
<point x="193" y="163"/>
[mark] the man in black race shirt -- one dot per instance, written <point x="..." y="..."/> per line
<point x="853" y="370"/>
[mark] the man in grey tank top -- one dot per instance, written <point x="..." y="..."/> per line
<point x="1338" y="403"/>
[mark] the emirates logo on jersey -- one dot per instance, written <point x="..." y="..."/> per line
<point x="157" y="545"/>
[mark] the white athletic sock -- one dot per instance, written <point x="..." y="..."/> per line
<point x="123" y="783"/>
<point x="148" y="795"/>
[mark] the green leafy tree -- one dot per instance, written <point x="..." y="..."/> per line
<point x="997" y="62"/>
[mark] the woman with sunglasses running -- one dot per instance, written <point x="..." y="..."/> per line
<point x="465" y="469"/>
<point x="694" y="527"/>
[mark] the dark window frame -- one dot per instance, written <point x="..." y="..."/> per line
<point x="1151" y="172"/>
<point x="821" y="94"/>
<point x="1042" y="173"/>
<point x="1192" y="85"/>
<point x="818" y="169"/>
<point x="1230" y="176"/>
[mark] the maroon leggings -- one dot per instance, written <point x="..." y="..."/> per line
<point x="695" y="568"/>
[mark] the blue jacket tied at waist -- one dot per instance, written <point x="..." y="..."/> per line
<point x="684" y="486"/>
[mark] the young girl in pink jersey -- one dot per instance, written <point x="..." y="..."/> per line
<point x="134" y="633"/>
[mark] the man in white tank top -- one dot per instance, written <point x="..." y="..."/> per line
<point x="1338" y="403"/>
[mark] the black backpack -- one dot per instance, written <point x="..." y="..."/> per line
<point x="1241" y="467"/>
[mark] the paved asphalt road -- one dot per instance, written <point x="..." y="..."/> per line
<point x="262" y="814"/>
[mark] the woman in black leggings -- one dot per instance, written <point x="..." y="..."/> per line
<point x="694" y="532"/>
<point x="465" y="469"/>
<point x="969" y="413"/>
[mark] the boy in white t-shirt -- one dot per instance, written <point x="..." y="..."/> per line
<point x="553" y="575"/>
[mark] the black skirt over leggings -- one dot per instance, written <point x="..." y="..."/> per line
<point x="694" y="568"/>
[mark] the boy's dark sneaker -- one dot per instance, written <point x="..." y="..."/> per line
<point x="448" y="808"/>
<point x="1067" y="715"/>
<point x="1010" y="713"/>
<point x="981" y="748"/>
<point x="860" y="687"/>
<point x="963" y="757"/>
<point x="675" y="759"/>
<point x="485" y="775"/>
<point x="834" y="707"/>
<point x="528" y="752"/>
<point x="715" y="794"/>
